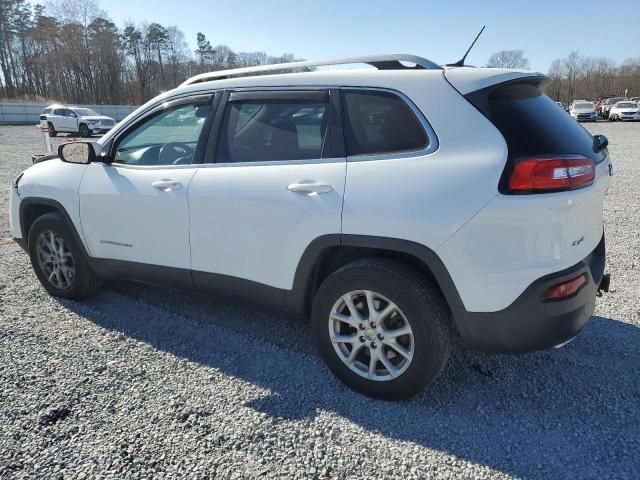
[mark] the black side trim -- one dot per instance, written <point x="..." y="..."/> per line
<point x="22" y="243"/>
<point x="155" y="274"/>
<point x="239" y="289"/>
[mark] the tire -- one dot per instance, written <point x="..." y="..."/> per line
<point x="83" y="282"/>
<point x="84" y="131"/>
<point x="419" y="305"/>
<point x="52" y="130"/>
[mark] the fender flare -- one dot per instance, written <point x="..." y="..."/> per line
<point x="296" y="298"/>
<point x="27" y="201"/>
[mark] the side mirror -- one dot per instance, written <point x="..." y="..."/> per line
<point x="77" y="152"/>
<point x="599" y="142"/>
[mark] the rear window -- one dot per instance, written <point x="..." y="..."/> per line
<point x="531" y="123"/>
<point x="273" y="130"/>
<point x="379" y="122"/>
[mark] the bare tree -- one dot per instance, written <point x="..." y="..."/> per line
<point x="508" y="59"/>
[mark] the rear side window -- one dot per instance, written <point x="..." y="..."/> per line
<point x="532" y="124"/>
<point x="276" y="129"/>
<point x="379" y="122"/>
<point x="46" y="110"/>
<point x="59" y="111"/>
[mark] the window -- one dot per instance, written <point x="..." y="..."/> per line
<point x="531" y="124"/>
<point x="69" y="113"/>
<point x="59" y="111"/>
<point x="379" y="122"/>
<point x="46" y="110"/>
<point x="168" y="138"/>
<point x="271" y="129"/>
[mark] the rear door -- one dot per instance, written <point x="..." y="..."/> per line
<point x="272" y="182"/>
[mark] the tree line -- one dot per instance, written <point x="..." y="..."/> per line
<point x="584" y="77"/>
<point x="71" y="51"/>
<point x="578" y="76"/>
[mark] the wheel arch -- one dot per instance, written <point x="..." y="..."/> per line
<point x="33" y="207"/>
<point x="328" y="253"/>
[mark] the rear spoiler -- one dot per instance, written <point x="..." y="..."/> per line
<point x="469" y="79"/>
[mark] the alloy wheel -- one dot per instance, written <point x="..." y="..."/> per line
<point x="55" y="259"/>
<point x="371" y="335"/>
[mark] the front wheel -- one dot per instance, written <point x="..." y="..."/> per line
<point x="382" y="328"/>
<point x="58" y="261"/>
<point x="84" y="131"/>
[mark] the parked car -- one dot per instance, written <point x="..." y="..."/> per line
<point x="608" y="103"/>
<point x="583" y="111"/>
<point x="395" y="206"/>
<point x="626" y="110"/>
<point x="70" y="119"/>
<point x="599" y="103"/>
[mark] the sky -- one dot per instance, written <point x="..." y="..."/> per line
<point x="439" y="30"/>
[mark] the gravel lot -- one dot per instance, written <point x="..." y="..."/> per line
<point x="143" y="382"/>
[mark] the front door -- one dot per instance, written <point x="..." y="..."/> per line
<point x="273" y="185"/>
<point x="135" y="208"/>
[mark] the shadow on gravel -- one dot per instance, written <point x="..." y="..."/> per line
<point x="571" y="412"/>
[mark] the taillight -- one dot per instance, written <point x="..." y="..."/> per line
<point x="552" y="174"/>
<point x="565" y="289"/>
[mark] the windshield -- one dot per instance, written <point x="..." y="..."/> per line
<point x="626" y="105"/>
<point x="85" y="112"/>
<point x="583" y="106"/>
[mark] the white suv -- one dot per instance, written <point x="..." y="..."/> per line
<point x="395" y="206"/>
<point x="80" y="120"/>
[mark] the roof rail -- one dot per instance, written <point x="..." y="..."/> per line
<point x="381" y="62"/>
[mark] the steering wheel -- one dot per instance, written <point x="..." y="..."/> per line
<point x="175" y="153"/>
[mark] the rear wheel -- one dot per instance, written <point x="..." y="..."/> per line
<point x="58" y="260"/>
<point x="52" y="130"/>
<point x="382" y="328"/>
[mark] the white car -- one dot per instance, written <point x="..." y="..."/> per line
<point x="626" y="110"/>
<point x="583" y="111"/>
<point x="80" y="120"/>
<point x="395" y="206"/>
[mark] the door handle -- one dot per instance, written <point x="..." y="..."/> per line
<point x="166" y="185"/>
<point x="310" y="187"/>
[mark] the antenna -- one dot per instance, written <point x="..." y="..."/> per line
<point x="460" y="63"/>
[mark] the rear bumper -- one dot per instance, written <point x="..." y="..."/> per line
<point x="531" y="323"/>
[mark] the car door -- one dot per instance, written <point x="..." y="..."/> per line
<point x="70" y="120"/>
<point x="273" y="182"/>
<point x="134" y="207"/>
<point x="57" y="117"/>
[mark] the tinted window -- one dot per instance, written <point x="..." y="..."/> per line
<point x="380" y="122"/>
<point x="59" y="111"/>
<point x="168" y="138"/>
<point x="532" y="124"/>
<point x="46" y="110"/>
<point x="269" y="130"/>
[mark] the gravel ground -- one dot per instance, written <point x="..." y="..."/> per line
<point x="143" y="382"/>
